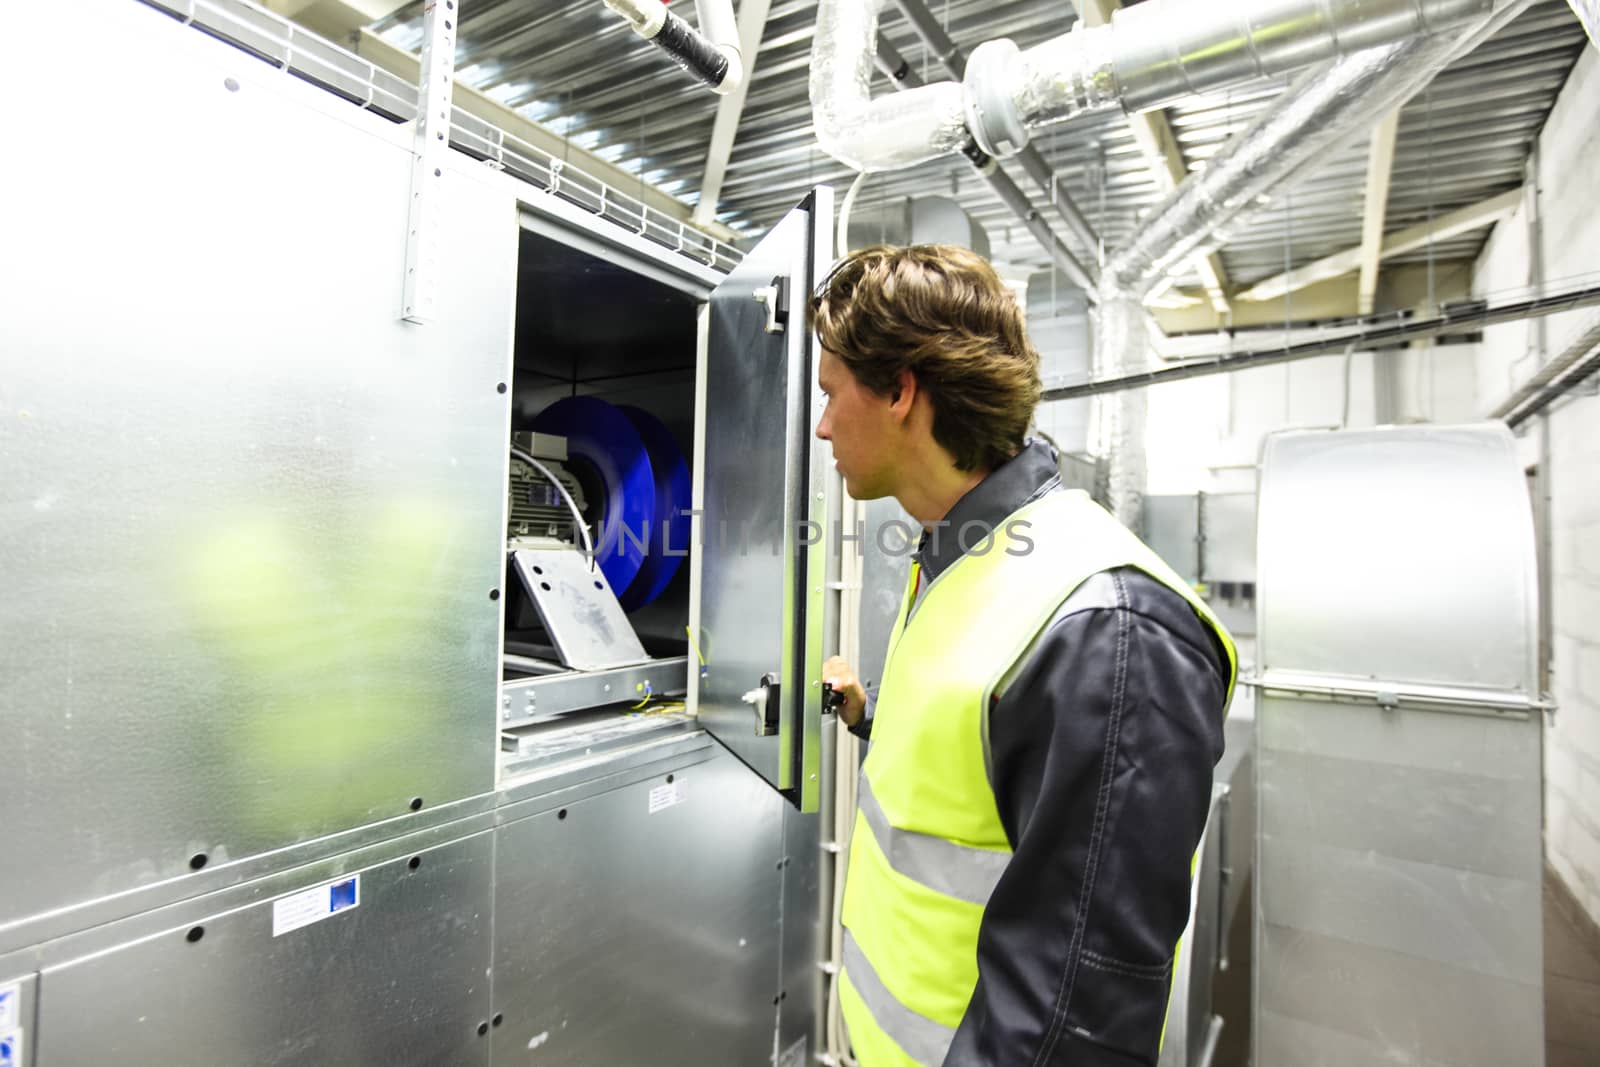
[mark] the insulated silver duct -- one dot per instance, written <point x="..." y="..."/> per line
<point x="1322" y="108"/>
<point x="889" y="133"/>
<point x="1146" y="56"/>
<point x="1117" y="423"/>
<point x="933" y="35"/>
<point x="900" y="75"/>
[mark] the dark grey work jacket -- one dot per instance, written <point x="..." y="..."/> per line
<point x="1075" y="950"/>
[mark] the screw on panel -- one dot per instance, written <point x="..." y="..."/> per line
<point x="498" y="1019"/>
<point x="414" y="862"/>
<point x="198" y="860"/>
<point x="416" y="803"/>
<point x="483" y="1028"/>
<point x="195" y="933"/>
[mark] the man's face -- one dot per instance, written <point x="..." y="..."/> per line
<point x="863" y="431"/>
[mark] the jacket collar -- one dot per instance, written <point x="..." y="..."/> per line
<point x="1020" y="480"/>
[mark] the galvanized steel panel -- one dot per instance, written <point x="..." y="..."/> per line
<point x="1399" y="873"/>
<point x="400" y="978"/>
<point x="1417" y="1011"/>
<point x="253" y="520"/>
<point x="760" y="598"/>
<point x="643" y="925"/>
<point x="1399" y="554"/>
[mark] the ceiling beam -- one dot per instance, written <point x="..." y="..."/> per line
<point x="1473" y="217"/>
<point x="1375" y="208"/>
<point x="730" y="108"/>
<point x="1153" y="134"/>
<point x="337" y="20"/>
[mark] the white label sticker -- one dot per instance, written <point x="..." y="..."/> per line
<point x="665" y="796"/>
<point x="313" y="905"/>
<point x="10" y="1006"/>
<point x="11" y="1049"/>
<point x="794" y="1055"/>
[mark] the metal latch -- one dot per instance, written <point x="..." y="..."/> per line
<point x="763" y="700"/>
<point x="775" y="298"/>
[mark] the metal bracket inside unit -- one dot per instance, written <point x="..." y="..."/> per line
<point x="764" y="701"/>
<point x="581" y="614"/>
<point x="430" y="144"/>
<point x="775" y="298"/>
<point x="545" y="697"/>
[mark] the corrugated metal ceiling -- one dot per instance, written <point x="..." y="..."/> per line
<point x="577" y="68"/>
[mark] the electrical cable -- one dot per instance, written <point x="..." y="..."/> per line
<point x="846" y="206"/>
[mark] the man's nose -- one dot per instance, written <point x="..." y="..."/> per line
<point x="824" y="433"/>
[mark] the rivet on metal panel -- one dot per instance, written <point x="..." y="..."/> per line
<point x="500" y="387"/>
<point x="494" y="594"/>
<point x="195" y="933"/>
<point x="498" y="1019"/>
<point x="562" y="814"/>
<point x="416" y="804"/>
<point x="230" y="84"/>
<point x="483" y="1028"/>
<point x="414" y="862"/>
<point x="197" y="861"/>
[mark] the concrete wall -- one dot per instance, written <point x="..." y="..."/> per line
<point x="1556" y="233"/>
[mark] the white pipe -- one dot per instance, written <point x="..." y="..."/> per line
<point x="895" y="131"/>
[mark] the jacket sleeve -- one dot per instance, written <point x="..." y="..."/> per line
<point x="863" y="729"/>
<point x="1102" y="747"/>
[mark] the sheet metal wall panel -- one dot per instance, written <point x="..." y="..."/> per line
<point x="401" y="979"/>
<point x="1172" y="529"/>
<point x="252" y="518"/>
<point x="1399" y="882"/>
<point x="1415" y="1010"/>
<point x="1371" y="899"/>
<point x="755" y="485"/>
<point x="626" y="937"/>
<point x="806" y="928"/>
<point x="1375" y="556"/>
<point x="1229" y="523"/>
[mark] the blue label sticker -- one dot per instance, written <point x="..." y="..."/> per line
<point x="341" y="895"/>
<point x="11" y="1049"/>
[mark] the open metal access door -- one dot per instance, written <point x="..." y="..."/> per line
<point x="766" y="495"/>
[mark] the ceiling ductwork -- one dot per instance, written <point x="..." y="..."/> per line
<point x="1147" y="56"/>
<point x="1324" y="107"/>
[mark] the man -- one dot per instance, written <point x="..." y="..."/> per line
<point x="1049" y="715"/>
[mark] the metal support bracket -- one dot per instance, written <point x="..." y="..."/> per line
<point x="429" y="146"/>
<point x="580" y="612"/>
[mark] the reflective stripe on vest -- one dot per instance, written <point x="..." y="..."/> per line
<point x="920" y="1039"/>
<point x="928" y="845"/>
<point x="956" y="871"/>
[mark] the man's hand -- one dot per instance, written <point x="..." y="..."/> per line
<point x="839" y="674"/>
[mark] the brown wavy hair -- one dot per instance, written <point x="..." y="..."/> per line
<point x="942" y="312"/>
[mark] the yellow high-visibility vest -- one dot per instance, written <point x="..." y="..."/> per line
<point x="928" y="845"/>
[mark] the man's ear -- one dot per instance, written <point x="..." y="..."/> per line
<point x="903" y="394"/>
